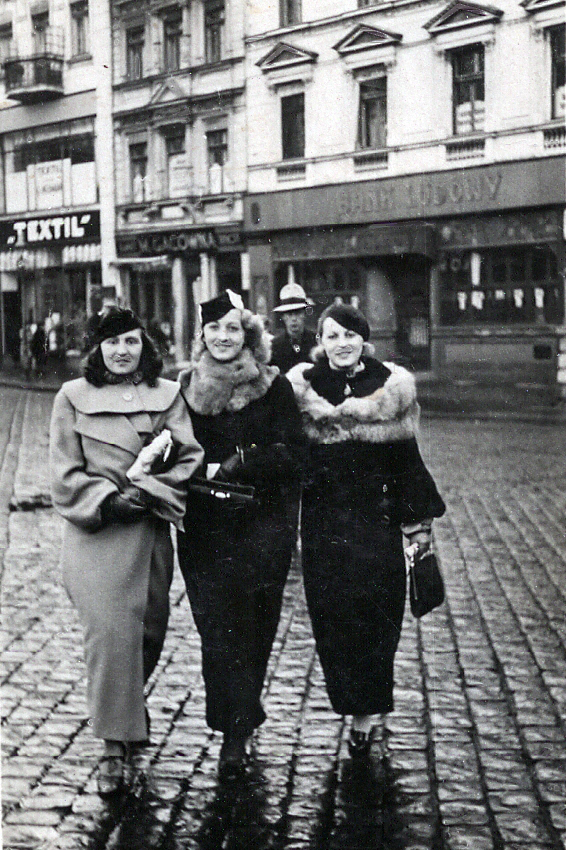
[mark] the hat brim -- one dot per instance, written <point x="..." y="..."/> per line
<point x="288" y="308"/>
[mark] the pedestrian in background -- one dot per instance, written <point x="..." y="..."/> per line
<point x="235" y="557"/>
<point x="117" y="554"/>
<point x="295" y="343"/>
<point x="365" y="484"/>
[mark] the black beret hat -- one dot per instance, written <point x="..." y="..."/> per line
<point x="211" y="311"/>
<point x="349" y="317"/>
<point x="115" y="321"/>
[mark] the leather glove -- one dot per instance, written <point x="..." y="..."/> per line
<point x="124" y="507"/>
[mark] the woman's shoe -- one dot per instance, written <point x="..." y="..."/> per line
<point x="110" y="775"/>
<point x="232" y="761"/>
<point x="359" y="743"/>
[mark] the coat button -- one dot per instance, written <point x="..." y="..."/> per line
<point x="128" y="396"/>
<point x="385" y="488"/>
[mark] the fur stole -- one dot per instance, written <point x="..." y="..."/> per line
<point x="390" y="413"/>
<point x="211" y="387"/>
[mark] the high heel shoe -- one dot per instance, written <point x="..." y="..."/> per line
<point x="359" y="743"/>
<point x="110" y="781"/>
<point x="233" y="756"/>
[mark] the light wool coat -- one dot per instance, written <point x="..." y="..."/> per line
<point x="118" y="576"/>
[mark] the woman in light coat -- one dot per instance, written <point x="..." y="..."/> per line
<point x="366" y="483"/>
<point x="117" y="556"/>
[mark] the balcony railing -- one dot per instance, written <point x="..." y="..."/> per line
<point x="38" y="77"/>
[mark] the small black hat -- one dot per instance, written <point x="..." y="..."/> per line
<point x="347" y="316"/>
<point x="115" y="321"/>
<point x="211" y="311"/>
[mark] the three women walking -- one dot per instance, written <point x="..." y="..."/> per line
<point x="346" y="425"/>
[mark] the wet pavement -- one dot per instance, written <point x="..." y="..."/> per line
<point x="474" y="755"/>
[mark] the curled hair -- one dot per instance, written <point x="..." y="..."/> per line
<point x="150" y="364"/>
<point x="255" y="338"/>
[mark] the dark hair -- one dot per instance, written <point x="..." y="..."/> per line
<point x="150" y="364"/>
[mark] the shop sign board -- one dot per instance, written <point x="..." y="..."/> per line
<point x="371" y="240"/>
<point x="164" y="242"/>
<point x="49" y="184"/>
<point x="517" y="185"/>
<point x="46" y="231"/>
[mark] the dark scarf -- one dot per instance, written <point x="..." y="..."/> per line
<point x="132" y="378"/>
<point x="214" y="386"/>
<point x="335" y="385"/>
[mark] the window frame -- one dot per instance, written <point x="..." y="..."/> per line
<point x="214" y="20"/>
<point x="292" y="133"/>
<point x="39" y="29"/>
<point x="370" y="93"/>
<point x="172" y="25"/>
<point x="80" y="28"/>
<point x="135" y="45"/>
<point x="219" y="147"/>
<point x="468" y="80"/>
<point x="6" y="39"/>
<point x="290" y="12"/>
<point x="141" y="157"/>
<point x="557" y="67"/>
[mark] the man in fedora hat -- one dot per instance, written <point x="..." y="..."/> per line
<point x="295" y="343"/>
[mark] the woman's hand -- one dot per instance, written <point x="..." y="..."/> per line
<point x="228" y="468"/>
<point x="127" y="507"/>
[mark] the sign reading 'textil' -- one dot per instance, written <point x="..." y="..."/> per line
<point x="52" y="230"/>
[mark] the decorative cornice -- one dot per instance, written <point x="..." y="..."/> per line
<point x="461" y="14"/>
<point x="284" y="56"/>
<point x="364" y="37"/>
<point x="534" y="6"/>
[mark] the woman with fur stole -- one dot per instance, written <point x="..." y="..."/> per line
<point x="366" y="485"/>
<point x="235" y="558"/>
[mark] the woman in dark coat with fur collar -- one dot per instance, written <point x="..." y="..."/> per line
<point x="366" y="484"/>
<point x="235" y="559"/>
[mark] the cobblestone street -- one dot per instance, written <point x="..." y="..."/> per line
<point x="474" y="753"/>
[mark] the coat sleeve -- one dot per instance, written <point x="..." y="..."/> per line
<point x="77" y="494"/>
<point x="280" y="458"/>
<point x="418" y="497"/>
<point x="168" y="487"/>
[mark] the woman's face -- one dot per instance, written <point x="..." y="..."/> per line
<point x="224" y="338"/>
<point x="121" y="354"/>
<point x="342" y="346"/>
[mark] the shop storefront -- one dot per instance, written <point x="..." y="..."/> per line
<point x="51" y="276"/>
<point x="167" y="272"/>
<point x="460" y="272"/>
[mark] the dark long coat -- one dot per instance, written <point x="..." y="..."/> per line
<point x="365" y="480"/>
<point x="235" y="560"/>
<point x="285" y="354"/>
<point x="118" y="576"/>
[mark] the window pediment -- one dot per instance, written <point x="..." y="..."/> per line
<point x="534" y="6"/>
<point x="167" y="92"/>
<point x="459" y="15"/>
<point x="364" y="37"/>
<point x="284" y="56"/>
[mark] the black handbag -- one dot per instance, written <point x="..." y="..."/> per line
<point x="426" y="586"/>
<point x="222" y="491"/>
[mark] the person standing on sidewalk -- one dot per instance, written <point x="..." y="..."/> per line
<point x="365" y="485"/>
<point x="235" y="557"/>
<point x="295" y="343"/>
<point x="117" y="554"/>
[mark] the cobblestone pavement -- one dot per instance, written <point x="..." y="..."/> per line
<point x="474" y="755"/>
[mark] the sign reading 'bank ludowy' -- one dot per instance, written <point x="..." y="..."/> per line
<point x="516" y="185"/>
<point x="44" y="231"/>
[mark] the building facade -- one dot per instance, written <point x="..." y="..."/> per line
<point x="54" y="225"/>
<point x="409" y="157"/>
<point x="180" y="152"/>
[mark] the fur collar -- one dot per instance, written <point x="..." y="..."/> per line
<point x="211" y="387"/>
<point x="120" y="398"/>
<point x="388" y="414"/>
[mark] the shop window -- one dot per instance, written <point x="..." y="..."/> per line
<point x="501" y="286"/>
<point x="557" y="39"/>
<point x="40" y="26"/>
<point x="172" y="29"/>
<point x="5" y="45"/>
<point x="293" y="126"/>
<point x="80" y="149"/>
<point x="76" y="148"/>
<point x="289" y="12"/>
<point x="79" y="28"/>
<point x="213" y="29"/>
<point x="468" y="89"/>
<point x="138" y="171"/>
<point x="135" y="38"/>
<point x="372" y="123"/>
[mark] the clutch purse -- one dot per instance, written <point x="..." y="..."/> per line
<point x="426" y="586"/>
<point x="223" y="491"/>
